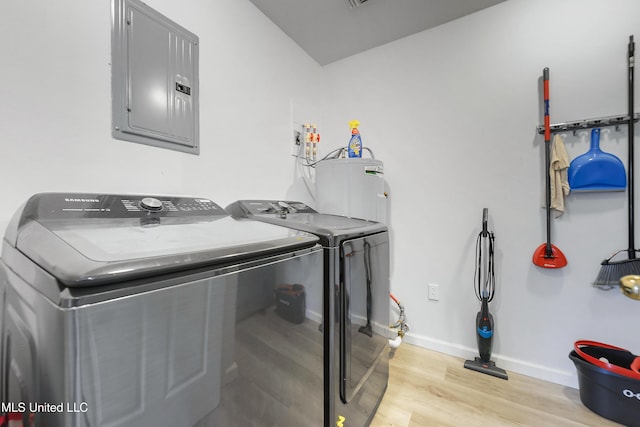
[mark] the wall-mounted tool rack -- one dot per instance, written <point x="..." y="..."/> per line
<point x="589" y="124"/>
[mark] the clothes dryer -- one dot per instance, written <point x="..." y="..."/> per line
<point x="355" y="305"/>
<point x="122" y="310"/>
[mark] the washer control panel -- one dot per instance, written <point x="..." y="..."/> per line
<point x="75" y="205"/>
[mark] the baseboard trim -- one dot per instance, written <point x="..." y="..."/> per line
<point x="568" y="379"/>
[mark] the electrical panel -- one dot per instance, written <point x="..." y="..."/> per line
<point x="154" y="79"/>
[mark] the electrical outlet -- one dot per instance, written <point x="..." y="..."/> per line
<point x="296" y="141"/>
<point x="434" y="292"/>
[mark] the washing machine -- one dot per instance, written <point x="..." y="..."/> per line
<point x="355" y="320"/>
<point x="123" y="310"/>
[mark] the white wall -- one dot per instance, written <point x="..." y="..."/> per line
<point x="55" y="115"/>
<point x="452" y="112"/>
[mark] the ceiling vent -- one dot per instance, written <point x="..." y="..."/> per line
<point x="356" y="3"/>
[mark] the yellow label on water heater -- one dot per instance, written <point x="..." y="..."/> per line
<point x="340" y="422"/>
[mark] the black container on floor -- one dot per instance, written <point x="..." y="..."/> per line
<point x="290" y="302"/>
<point x="606" y="393"/>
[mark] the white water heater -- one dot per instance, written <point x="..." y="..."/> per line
<point x="352" y="187"/>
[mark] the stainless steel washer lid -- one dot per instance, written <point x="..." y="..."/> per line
<point x="89" y="239"/>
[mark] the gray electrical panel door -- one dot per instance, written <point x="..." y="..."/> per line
<point x="154" y="79"/>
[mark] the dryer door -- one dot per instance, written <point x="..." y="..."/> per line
<point x="364" y="314"/>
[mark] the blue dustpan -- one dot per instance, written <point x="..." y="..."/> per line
<point x="596" y="170"/>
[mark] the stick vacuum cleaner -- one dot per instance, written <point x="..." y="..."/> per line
<point x="485" y="286"/>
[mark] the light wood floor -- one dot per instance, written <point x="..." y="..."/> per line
<point x="427" y="388"/>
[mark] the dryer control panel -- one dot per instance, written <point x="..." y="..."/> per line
<point x="268" y="207"/>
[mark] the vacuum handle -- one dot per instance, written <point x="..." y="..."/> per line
<point x="485" y="217"/>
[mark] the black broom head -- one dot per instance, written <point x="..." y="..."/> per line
<point x="612" y="271"/>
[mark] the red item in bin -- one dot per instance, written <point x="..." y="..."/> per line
<point x="633" y="371"/>
<point x="5" y="420"/>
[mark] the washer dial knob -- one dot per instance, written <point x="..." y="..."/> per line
<point x="151" y="204"/>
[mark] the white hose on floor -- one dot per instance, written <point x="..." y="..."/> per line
<point x="395" y="343"/>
